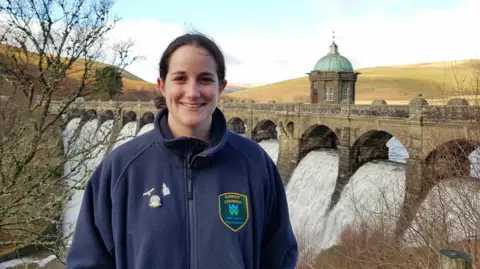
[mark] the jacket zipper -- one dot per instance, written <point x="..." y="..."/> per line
<point x="191" y="215"/>
<point x="191" y="219"/>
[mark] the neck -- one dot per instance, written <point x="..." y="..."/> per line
<point x="201" y="131"/>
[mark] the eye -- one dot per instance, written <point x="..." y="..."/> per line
<point x="179" y="78"/>
<point x="206" y="80"/>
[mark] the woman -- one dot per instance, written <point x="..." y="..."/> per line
<point x="188" y="194"/>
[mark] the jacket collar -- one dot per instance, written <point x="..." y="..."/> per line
<point x="180" y="145"/>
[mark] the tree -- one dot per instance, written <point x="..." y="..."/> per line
<point x="109" y="79"/>
<point x="49" y="53"/>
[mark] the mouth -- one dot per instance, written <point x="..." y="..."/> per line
<point x="196" y="105"/>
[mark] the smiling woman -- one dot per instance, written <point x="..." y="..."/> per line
<point x="191" y="88"/>
<point x="189" y="193"/>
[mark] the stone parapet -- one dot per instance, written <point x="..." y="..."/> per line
<point x="387" y="111"/>
<point x="418" y="109"/>
<point x="321" y="109"/>
<point x="449" y="113"/>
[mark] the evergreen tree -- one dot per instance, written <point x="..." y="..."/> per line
<point x="108" y="79"/>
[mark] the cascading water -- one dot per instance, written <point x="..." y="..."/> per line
<point x="69" y="132"/>
<point x="126" y="134"/>
<point x="313" y="182"/>
<point x="271" y="147"/>
<point x="148" y="127"/>
<point x="474" y="158"/>
<point x="100" y="145"/>
<point x="309" y="191"/>
<point x="374" y="193"/>
<point x="78" y="167"/>
<point x="451" y="210"/>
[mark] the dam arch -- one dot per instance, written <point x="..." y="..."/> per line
<point x="315" y="137"/>
<point x="146" y="118"/>
<point x="236" y="125"/>
<point x="129" y="116"/>
<point x="264" y="130"/>
<point x="450" y="159"/>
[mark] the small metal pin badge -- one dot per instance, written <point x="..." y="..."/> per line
<point x="165" y="190"/>
<point x="155" y="201"/>
<point x="148" y="193"/>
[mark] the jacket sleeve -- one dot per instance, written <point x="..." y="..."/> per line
<point x="279" y="245"/>
<point x="92" y="244"/>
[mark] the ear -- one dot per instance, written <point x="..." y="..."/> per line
<point x="161" y="86"/>
<point x="222" y="87"/>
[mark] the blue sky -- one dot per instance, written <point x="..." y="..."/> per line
<point x="268" y="41"/>
<point x="217" y="16"/>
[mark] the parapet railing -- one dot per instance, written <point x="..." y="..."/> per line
<point x="388" y="111"/>
<point x="419" y="110"/>
<point x="451" y="113"/>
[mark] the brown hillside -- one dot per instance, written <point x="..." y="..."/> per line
<point x="134" y="88"/>
<point x="398" y="83"/>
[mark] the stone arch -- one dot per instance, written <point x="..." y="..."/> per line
<point x="89" y="115"/>
<point x="129" y="116"/>
<point x="370" y="146"/>
<point x="315" y="137"/>
<point x="146" y="118"/>
<point x="74" y="113"/>
<point x="450" y="160"/>
<point x="107" y="115"/>
<point x="236" y="125"/>
<point x="265" y="129"/>
<point x="286" y="129"/>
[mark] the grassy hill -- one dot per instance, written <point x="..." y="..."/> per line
<point x="134" y="88"/>
<point x="394" y="83"/>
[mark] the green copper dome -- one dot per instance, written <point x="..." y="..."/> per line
<point x="333" y="62"/>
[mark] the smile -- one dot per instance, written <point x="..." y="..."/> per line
<point x="192" y="105"/>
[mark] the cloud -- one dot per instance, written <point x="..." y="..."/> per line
<point x="380" y="39"/>
<point x="282" y="62"/>
<point x="232" y="60"/>
<point x="151" y="38"/>
<point x="373" y="38"/>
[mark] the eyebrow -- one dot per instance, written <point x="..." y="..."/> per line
<point x="201" y="74"/>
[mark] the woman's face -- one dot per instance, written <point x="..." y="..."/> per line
<point x="191" y="88"/>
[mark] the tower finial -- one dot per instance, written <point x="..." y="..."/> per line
<point x="333" y="47"/>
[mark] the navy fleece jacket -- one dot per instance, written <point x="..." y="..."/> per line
<point x="163" y="203"/>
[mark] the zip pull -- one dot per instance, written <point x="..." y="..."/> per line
<point x="189" y="184"/>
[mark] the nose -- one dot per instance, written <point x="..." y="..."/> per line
<point x="192" y="90"/>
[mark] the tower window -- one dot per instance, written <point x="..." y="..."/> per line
<point x="344" y="92"/>
<point x="328" y="94"/>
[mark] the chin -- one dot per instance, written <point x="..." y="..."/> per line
<point x="194" y="122"/>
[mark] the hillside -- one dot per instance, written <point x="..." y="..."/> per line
<point x="399" y="83"/>
<point x="134" y="88"/>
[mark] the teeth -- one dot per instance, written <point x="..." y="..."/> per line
<point x="192" y="106"/>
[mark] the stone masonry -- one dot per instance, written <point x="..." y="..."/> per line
<point x="358" y="132"/>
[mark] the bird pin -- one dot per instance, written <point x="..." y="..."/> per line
<point x="148" y="193"/>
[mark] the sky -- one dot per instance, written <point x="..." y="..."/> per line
<point x="265" y="41"/>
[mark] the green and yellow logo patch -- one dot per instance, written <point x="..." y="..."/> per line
<point x="233" y="210"/>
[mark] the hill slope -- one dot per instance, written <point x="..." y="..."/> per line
<point x="134" y="88"/>
<point x="389" y="83"/>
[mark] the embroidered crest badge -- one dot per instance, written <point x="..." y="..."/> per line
<point x="155" y="201"/>
<point x="233" y="210"/>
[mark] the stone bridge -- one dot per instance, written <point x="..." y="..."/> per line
<point x="432" y="135"/>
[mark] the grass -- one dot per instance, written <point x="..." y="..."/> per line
<point x="391" y="83"/>
<point x="131" y="82"/>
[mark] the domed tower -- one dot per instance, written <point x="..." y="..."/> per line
<point x="333" y="79"/>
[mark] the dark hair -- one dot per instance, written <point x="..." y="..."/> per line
<point x="198" y="40"/>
